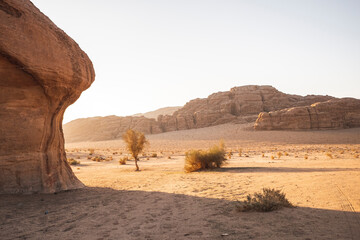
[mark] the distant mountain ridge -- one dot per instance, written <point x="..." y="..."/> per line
<point x="239" y="105"/>
<point x="161" y="111"/>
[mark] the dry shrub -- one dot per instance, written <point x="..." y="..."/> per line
<point x="240" y="152"/>
<point x="212" y="158"/>
<point x="263" y="155"/>
<point x="279" y="154"/>
<point x="154" y="155"/>
<point x="91" y="151"/>
<point x="265" y="201"/>
<point x="122" y="161"/>
<point x="72" y="161"/>
<point x="272" y="157"/>
<point x="135" y="143"/>
<point x="286" y="154"/>
<point x="98" y="158"/>
<point x="329" y="155"/>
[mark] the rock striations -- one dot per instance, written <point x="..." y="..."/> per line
<point x="42" y="72"/>
<point x="239" y="105"/>
<point x="332" y="114"/>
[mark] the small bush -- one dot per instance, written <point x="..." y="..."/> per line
<point x="263" y="155"/>
<point x="329" y="155"/>
<point x="72" y="161"/>
<point x="240" y="152"/>
<point x="279" y="154"/>
<point x="98" y="159"/>
<point x="212" y="158"/>
<point x="91" y="151"/>
<point x="265" y="201"/>
<point x="154" y="155"/>
<point x="272" y="157"/>
<point x="122" y="161"/>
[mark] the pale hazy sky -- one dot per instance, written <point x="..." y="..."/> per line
<point x="151" y="54"/>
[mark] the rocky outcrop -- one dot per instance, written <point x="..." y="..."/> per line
<point x="332" y="114"/>
<point x="42" y="72"/>
<point x="240" y="104"/>
<point x="107" y="128"/>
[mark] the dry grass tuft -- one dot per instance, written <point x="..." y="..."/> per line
<point x="91" y="151"/>
<point x="212" y="158"/>
<point x="240" y="152"/>
<point x="265" y="201"/>
<point x="122" y="161"/>
<point x="72" y="161"/>
<point x="329" y="155"/>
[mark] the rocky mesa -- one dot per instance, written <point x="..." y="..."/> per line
<point x="239" y="105"/>
<point x="332" y="114"/>
<point x="42" y="72"/>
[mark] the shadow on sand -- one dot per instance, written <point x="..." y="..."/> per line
<point x="104" y="213"/>
<point x="281" y="169"/>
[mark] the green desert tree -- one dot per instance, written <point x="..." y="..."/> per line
<point x="135" y="142"/>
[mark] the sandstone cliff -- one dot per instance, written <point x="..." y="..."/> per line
<point x="239" y="105"/>
<point x="332" y="114"/>
<point x="42" y="72"/>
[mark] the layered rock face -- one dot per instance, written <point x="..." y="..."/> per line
<point x="240" y="104"/>
<point x="332" y="114"/>
<point x="42" y="72"/>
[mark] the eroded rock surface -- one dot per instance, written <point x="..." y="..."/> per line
<point x="42" y="72"/>
<point x="239" y="105"/>
<point x="332" y="114"/>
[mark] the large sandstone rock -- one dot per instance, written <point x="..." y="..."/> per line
<point x="42" y="72"/>
<point x="240" y="104"/>
<point x="332" y="114"/>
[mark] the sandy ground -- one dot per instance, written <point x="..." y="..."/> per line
<point x="319" y="171"/>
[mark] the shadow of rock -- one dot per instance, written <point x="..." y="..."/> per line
<point x="281" y="169"/>
<point x="103" y="213"/>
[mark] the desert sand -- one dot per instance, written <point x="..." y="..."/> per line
<point x="319" y="171"/>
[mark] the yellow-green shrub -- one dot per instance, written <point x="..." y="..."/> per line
<point x="198" y="159"/>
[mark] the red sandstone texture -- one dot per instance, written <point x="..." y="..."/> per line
<point x="42" y="72"/>
<point x="332" y="114"/>
<point x="239" y="105"/>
